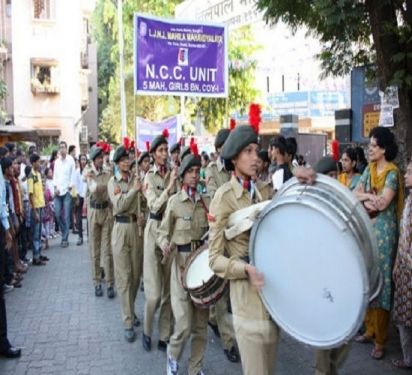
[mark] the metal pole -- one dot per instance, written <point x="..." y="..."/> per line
<point x="121" y="70"/>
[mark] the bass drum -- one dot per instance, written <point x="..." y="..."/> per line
<point x="317" y="251"/>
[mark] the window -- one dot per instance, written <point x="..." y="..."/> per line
<point x="43" y="9"/>
<point x="44" y="74"/>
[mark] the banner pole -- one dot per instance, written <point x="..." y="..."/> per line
<point x="182" y="110"/>
<point x="121" y="70"/>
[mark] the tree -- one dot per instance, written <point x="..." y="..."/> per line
<point x="242" y="90"/>
<point x="105" y="29"/>
<point x="376" y="33"/>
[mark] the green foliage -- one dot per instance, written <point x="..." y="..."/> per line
<point x="241" y="81"/>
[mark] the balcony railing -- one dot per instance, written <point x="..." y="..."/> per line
<point x="41" y="89"/>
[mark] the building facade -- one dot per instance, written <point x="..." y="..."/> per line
<point x="47" y="68"/>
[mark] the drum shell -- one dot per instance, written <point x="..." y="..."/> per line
<point x="336" y="201"/>
<point x="211" y="291"/>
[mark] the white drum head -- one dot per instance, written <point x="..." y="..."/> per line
<point x="199" y="271"/>
<point x="314" y="273"/>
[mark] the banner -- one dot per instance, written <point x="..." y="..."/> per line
<point x="147" y="130"/>
<point x="180" y="58"/>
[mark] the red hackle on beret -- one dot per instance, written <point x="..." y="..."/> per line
<point x="335" y="149"/>
<point x="232" y="124"/>
<point x="255" y="116"/>
<point x="165" y="133"/>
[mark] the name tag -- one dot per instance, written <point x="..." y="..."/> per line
<point x="187" y="218"/>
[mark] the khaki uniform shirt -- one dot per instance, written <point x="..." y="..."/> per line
<point x="216" y="176"/>
<point x="184" y="220"/>
<point x="124" y="203"/>
<point x="245" y="299"/>
<point x="97" y="184"/>
<point x="155" y="190"/>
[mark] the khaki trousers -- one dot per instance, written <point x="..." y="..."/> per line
<point x="328" y="361"/>
<point x="220" y="316"/>
<point x="127" y="256"/>
<point x="190" y="320"/>
<point x="257" y="341"/>
<point x="156" y="277"/>
<point x="100" y="227"/>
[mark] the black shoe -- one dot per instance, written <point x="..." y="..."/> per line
<point x="110" y="292"/>
<point x="79" y="242"/>
<point x="44" y="258"/>
<point x="215" y="328"/>
<point x="11" y="352"/>
<point x="136" y="321"/>
<point x="38" y="262"/>
<point x="147" y="343"/>
<point x="98" y="291"/>
<point x="129" y="334"/>
<point x="232" y="354"/>
<point x="162" y="346"/>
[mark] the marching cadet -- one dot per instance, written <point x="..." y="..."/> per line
<point x="256" y="333"/>
<point x="124" y="191"/>
<point x="219" y="320"/>
<point x="183" y="226"/>
<point x="159" y="185"/>
<point x="100" y="220"/>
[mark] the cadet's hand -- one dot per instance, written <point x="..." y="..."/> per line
<point x="305" y="175"/>
<point x="173" y="178"/>
<point x="255" y="277"/>
<point x="167" y="249"/>
<point x="9" y="239"/>
<point x="138" y="184"/>
<point x="117" y="190"/>
<point x="140" y="220"/>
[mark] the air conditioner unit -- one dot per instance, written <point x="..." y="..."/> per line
<point x="84" y="135"/>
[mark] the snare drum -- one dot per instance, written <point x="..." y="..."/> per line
<point x="317" y="251"/>
<point x="204" y="287"/>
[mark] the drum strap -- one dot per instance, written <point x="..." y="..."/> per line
<point x="202" y="202"/>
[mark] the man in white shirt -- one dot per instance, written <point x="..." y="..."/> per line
<point x="63" y="182"/>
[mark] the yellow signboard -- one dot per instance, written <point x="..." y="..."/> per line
<point x="371" y="115"/>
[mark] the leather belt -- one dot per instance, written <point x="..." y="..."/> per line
<point x="187" y="248"/>
<point x="157" y="217"/>
<point x="99" y="206"/>
<point x="125" y="219"/>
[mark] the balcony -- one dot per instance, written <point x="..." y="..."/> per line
<point x="38" y="88"/>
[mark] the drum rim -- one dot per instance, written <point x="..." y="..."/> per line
<point x="188" y="262"/>
<point x="362" y="221"/>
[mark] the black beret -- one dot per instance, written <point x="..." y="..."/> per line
<point x="143" y="155"/>
<point x="157" y="141"/>
<point x="221" y="137"/>
<point x="238" y="139"/>
<point x="325" y="165"/>
<point x="95" y="152"/>
<point x="185" y="151"/>
<point x="263" y="155"/>
<point x="174" y="148"/>
<point x="119" y="153"/>
<point x="189" y="161"/>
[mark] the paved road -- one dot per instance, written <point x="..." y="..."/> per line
<point x="64" y="329"/>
